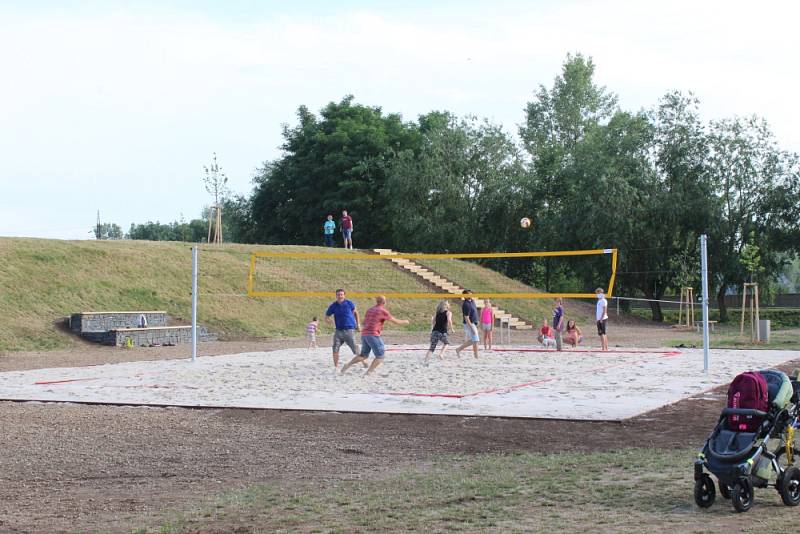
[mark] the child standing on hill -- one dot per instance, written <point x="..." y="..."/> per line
<point x="311" y="332"/>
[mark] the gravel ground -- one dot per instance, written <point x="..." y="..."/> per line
<point x="66" y="467"/>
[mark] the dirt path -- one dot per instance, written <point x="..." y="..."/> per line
<point x="66" y="467"/>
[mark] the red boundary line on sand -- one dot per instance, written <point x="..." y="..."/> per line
<point x="502" y="389"/>
<point x="47" y="382"/>
<point x="506" y="389"/>
<point x="599" y="353"/>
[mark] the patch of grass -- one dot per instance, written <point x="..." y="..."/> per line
<point x="45" y="280"/>
<point x="480" y="279"/>
<point x="632" y="490"/>
<point x="780" y="317"/>
<point x="727" y="337"/>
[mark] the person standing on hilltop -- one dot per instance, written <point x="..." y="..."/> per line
<point x="328" y="229"/>
<point x="347" y="230"/>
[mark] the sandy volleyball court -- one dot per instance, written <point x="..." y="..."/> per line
<point x="513" y="382"/>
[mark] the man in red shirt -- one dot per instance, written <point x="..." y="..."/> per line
<point x="347" y="230"/>
<point x="371" y="335"/>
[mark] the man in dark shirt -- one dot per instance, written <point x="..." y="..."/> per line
<point x="470" y="312"/>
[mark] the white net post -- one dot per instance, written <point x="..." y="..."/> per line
<point x="194" y="304"/>
<point x="704" y="278"/>
<point x="505" y="322"/>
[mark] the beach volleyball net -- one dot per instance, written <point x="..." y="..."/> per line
<point x="567" y="274"/>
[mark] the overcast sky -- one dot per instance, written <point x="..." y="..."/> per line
<point x="113" y="108"/>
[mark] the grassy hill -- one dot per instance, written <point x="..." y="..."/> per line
<point x="42" y="281"/>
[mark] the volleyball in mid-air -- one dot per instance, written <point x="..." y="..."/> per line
<point x="525" y="222"/>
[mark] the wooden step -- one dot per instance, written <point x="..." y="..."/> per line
<point x="451" y="288"/>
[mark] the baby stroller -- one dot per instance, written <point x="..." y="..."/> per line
<point x="750" y="447"/>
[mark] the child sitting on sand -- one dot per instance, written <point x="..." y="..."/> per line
<point x="311" y="331"/>
<point x="546" y="335"/>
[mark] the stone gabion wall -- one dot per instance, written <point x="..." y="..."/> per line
<point x="148" y="337"/>
<point x="83" y="323"/>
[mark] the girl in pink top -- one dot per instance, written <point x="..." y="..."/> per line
<point x="487" y="324"/>
<point x="311" y="331"/>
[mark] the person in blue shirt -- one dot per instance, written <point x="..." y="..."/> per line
<point x="347" y="322"/>
<point x="328" y="229"/>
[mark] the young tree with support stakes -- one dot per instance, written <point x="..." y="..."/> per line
<point x="216" y="184"/>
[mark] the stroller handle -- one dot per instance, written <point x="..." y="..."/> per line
<point x="743" y="411"/>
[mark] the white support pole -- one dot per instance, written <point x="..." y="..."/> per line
<point x="194" y="304"/>
<point x="704" y="289"/>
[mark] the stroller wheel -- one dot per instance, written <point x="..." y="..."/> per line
<point x="789" y="487"/>
<point x="704" y="492"/>
<point x="724" y="490"/>
<point x="742" y="495"/>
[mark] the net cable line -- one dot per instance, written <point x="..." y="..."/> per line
<point x="270" y="272"/>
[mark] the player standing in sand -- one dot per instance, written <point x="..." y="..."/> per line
<point x="347" y="322"/>
<point x="470" y="312"/>
<point x="558" y="321"/>
<point x="602" y="317"/>
<point x="371" y="335"/>
<point x="441" y="324"/>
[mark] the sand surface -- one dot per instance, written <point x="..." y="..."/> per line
<point x="512" y="382"/>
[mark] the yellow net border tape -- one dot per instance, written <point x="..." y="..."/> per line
<point x="413" y="256"/>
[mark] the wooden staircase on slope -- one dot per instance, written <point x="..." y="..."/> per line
<point x="447" y="286"/>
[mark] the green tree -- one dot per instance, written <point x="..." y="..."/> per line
<point x="216" y="183"/>
<point x="756" y="187"/>
<point x="464" y="178"/>
<point x="332" y="163"/>
<point x="107" y="231"/>
<point x="238" y="223"/>
<point x="194" y="231"/>
<point x="628" y="209"/>
<point x="556" y="122"/>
